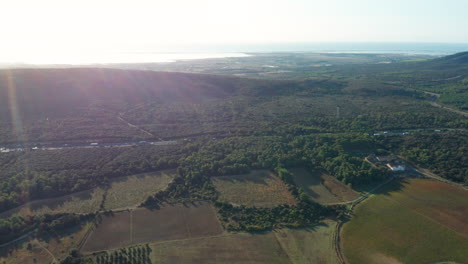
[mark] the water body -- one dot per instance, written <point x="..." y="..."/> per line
<point x="436" y="49"/>
<point x="157" y="54"/>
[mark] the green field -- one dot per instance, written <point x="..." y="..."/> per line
<point x="415" y="221"/>
<point x="298" y="246"/>
<point x="258" y="188"/>
<point x="321" y="187"/>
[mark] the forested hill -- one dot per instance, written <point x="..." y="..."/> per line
<point x="38" y="105"/>
<point x="33" y="102"/>
<point x="458" y="58"/>
<point x="36" y="91"/>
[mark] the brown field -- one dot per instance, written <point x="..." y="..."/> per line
<point x="129" y="191"/>
<point x="321" y="187"/>
<point x="258" y="188"/>
<point x="142" y="225"/>
<point x="43" y="250"/>
<point x="124" y="192"/>
<point x="413" y="221"/>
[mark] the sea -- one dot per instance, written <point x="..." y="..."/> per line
<point x="168" y="54"/>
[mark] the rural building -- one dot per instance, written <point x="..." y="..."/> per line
<point x="396" y="167"/>
<point x="392" y="162"/>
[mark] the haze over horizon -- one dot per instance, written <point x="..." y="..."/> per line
<point x="51" y="27"/>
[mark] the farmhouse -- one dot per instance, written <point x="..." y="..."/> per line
<point x="396" y="167"/>
<point x="392" y="162"/>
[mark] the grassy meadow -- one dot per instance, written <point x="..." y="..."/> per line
<point x="258" y="188"/>
<point x="130" y="191"/>
<point x="414" y="221"/>
<point x="321" y="187"/>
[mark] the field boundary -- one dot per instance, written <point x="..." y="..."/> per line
<point x="86" y="236"/>
<point x="275" y="235"/>
<point x="339" y="226"/>
<point x="337" y="243"/>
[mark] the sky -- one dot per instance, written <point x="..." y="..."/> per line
<point x="55" y="25"/>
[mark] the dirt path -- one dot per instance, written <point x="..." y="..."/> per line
<point x="48" y="252"/>
<point x="119" y="116"/>
<point x="364" y="195"/>
<point x="433" y="102"/>
<point x="131" y="226"/>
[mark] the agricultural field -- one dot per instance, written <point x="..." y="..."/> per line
<point x="143" y="225"/>
<point x="123" y="192"/>
<point x="258" y="188"/>
<point x="321" y="187"/>
<point x="295" y="246"/>
<point x="130" y="191"/>
<point x="414" y="221"/>
<point x="309" y="245"/>
<point x="44" y="250"/>
<point x="232" y="248"/>
<point x="81" y="202"/>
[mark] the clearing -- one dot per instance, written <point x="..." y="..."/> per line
<point x="258" y="188"/>
<point x="412" y="221"/>
<point x="321" y="187"/>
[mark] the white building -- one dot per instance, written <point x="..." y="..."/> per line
<point x="396" y="167"/>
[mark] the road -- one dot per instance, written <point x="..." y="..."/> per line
<point x="91" y="145"/>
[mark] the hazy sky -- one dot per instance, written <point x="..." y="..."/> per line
<point x="54" y="24"/>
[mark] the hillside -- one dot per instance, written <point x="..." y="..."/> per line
<point x="63" y="105"/>
<point x="46" y="104"/>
